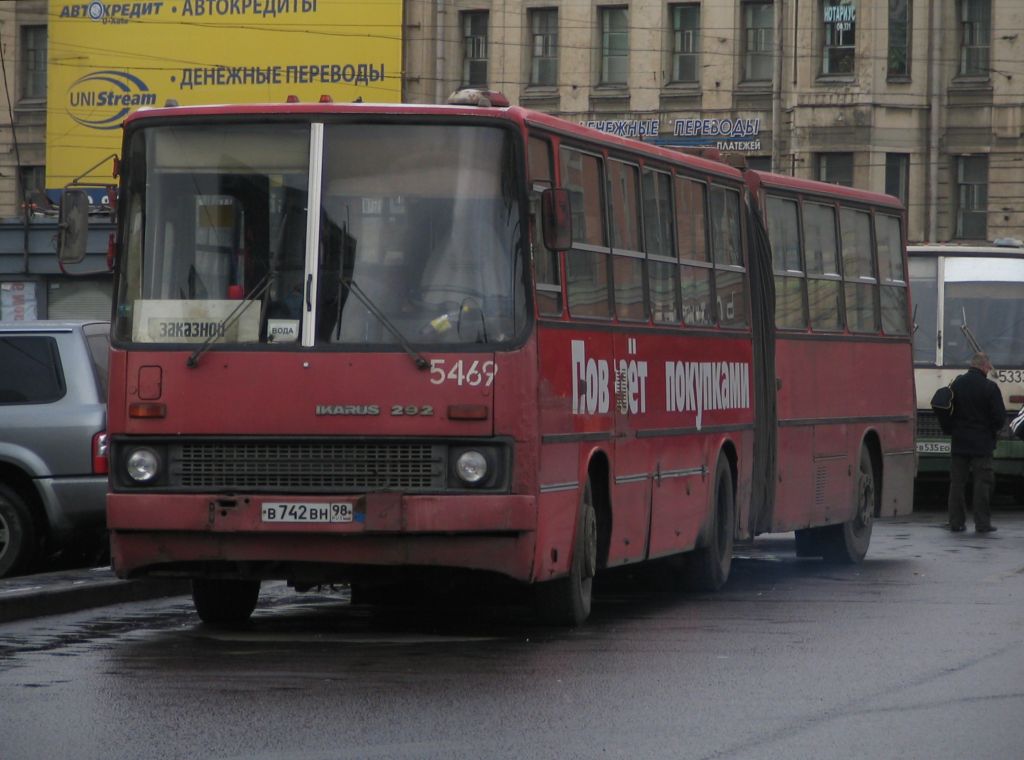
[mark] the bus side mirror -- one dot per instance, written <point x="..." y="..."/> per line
<point x="556" y="219"/>
<point x="73" y="228"/>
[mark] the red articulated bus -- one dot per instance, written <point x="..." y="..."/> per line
<point x="369" y="343"/>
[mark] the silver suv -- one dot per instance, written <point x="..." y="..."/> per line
<point x="53" y="458"/>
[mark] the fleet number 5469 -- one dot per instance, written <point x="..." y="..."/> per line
<point x="463" y="373"/>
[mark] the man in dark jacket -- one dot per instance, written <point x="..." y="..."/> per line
<point x="978" y="415"/>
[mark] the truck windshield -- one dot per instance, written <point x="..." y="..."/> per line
<point x="218" y="244"/>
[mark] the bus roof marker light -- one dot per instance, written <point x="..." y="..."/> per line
<point x="326" y="99"/>
<point x="292" y="99"/>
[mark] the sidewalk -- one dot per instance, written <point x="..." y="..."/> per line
<point x="29" y="596"/>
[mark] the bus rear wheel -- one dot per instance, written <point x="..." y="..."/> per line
<point x="224" y="601"/>
<point x="846" y="544"/>
<point x="566" y="601"/>
<point x="707" y="568"/>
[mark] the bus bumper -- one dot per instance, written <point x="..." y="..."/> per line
<point x="175" y="534"/>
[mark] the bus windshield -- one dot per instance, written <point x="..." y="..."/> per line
<point x="986" y="293"/>
<point x="417" y="238"/>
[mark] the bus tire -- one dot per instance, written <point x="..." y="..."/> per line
<point x="224" y="601"/>
<point x="566" y="601"/>
<point x="707" y="568"/>
<point x="17" y="533"/>
<point x="848" y="543"/>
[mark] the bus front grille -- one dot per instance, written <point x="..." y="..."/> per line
<point x="307" y="466"/>
<point x="928" y="426"/>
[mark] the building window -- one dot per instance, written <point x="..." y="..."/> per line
<point x="758" y="41"/>
<point x="972" y="197"/>
<point x="839" y="50"/>
<point x="836" y="168"/>
<point x="474" y="50"/>
<point x="897" y="175"/>
<point x="975" y="36"/>
<point x="33" y="62"/>
<point x="32" y="186"/>
<point x="759" y="163"/>
<point x="543" y="46"/>
<point x="899" y="38"/>
<point x="614" y="45"/>
<point x="685" y="42"/>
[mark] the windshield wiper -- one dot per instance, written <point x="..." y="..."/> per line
<point x="230" y="319"/>
<point x="968" y="334"/>
<point x="371" y="307"/>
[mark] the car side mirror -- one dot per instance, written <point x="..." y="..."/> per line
<point x="73" y="228"/>
<point x="556" y="218"/>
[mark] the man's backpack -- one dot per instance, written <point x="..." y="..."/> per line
<point x="942" y="405"/>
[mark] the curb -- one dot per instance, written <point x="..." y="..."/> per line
<point x="60" y="593"/>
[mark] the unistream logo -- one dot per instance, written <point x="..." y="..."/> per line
<point x="101" y="99"/>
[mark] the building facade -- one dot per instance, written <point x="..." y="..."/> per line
<point x="923" y="99"/>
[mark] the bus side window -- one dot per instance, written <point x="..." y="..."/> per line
<point x="821" y="249"/>
<point x="586" y="265"/>
<point x="787" y="262"/>
<point x="694" y="258"/>
<point x="893" y="286"/>
<point x="545" y="262"/>
<point x="659" y="243"/>
<point x="859" y="271"/>
<point x="627" y="256"/>
<point x="727" y="245"/>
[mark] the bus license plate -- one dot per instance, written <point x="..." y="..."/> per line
<point x="933" y="447"/>
<point x="307" y="512"/>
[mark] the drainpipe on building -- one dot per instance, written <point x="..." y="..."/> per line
<point x="439" y="54"/>
<point x="934" y="98"/>
<point x="777" y="87"/>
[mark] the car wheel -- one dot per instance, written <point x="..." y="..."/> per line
<point x="17" y="533"/>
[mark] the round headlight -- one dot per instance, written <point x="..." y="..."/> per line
<point x="471" y="466"/>
<point x="142" y="465"/>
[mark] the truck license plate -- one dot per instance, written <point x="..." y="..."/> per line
<point x="307" y="512"/>
<point x="933" y="447"/>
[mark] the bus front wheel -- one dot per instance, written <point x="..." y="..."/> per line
<point x="224" y="601"/>
<point x="566" y="601"/>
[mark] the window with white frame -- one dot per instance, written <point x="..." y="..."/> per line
<point x="972" y="197"/>
<point x="474" y="47"/>
<point x="614" y="26"/>
<point x="975" y="36"/>
<point x="838" y="52"/>
<point x="758" y="41"/>
<point x="543" y="46"/>
<point x="33" y="62"/>
<point x="685" y="42"/>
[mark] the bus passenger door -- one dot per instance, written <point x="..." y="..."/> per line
<point x="632" y="471"/>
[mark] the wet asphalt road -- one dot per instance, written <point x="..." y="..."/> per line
<point x="918" y="653"/>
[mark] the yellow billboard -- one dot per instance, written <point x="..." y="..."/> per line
<point x="106" y="59"/>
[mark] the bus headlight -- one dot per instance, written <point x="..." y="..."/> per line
<point x="471" y="467"/>
<point x="143" y="465"/>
